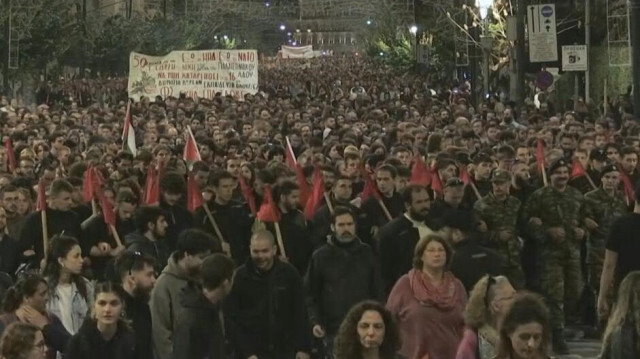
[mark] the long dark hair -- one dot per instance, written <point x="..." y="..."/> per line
<point x="347" y="344"/>
<point x="59" y="248"/>
<point x="527" y="308"/>
<point x="26" y="286"/>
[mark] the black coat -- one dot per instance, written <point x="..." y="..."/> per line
<point x="296" y="239"/>
<point x="234" y="222"/>
<point x="137" y="311"/>
<point x="199" y="333"/>
<point x="10" y="255"/>
<point x="97" y="231"/>
<point x="265" y="313"/>
<point x="396" y="242"/>
<point x="178" y="218"/>
<point x="89" y="344"/>
<point x="372" y="215"/>
<point x="471" y="262"/>
<point x="340" y="276"/>
<point x="321" y="223"/>
<point x="136" y="242"/>
<point x="57" y="222"/>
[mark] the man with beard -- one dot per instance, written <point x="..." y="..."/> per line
<point x="100" y="244"/>
<point x="340" y="196"/>
<point x="555" y="219"/>
<point x="135" y="272"/>
<point x="184" y="267"/>
<point x="399" y="237"/>
<point x="15" y="221"/>
<point x="148" y="238"/>
<point x="342" y="265"/>
<point x="172" y="189"/>
<point x="200" y="333"/>
<point x="373" y="216"/>
<point x="293" y="227"/>
<point x="265" y="313"/>
<point x="231" y="217"/>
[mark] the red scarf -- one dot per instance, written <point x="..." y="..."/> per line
<point x="444" y="297"/>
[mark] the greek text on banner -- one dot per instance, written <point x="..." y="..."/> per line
<point x="194" y="73"/>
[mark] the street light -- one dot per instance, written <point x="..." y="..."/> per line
<point x="486" y="39"/>
<point x="413" y="29"/>
<point x="282" y="27"/>
<point x="368" y="22"/>
<point x="483" y="6"/>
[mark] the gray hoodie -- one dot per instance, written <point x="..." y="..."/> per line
<point x="166" y="308"/>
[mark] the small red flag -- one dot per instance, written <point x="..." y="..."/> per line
<point x="194" y="195"/>
<point x="9" y="155"/>
<point x="247" y="194"/>
<point x="88" y="181"/>
<point x="152" y="186"/>
<point x="289" y="156"/>
<point x="540" y="155"/>
<point x="628" y="187"/>
<point x="106" y="208"/>
<point x="419" y="173"/>
<point x="268" y="211"/>
<point x="370" y="189"/>
<point x="317" y="193"/>
<point x="41" y="201"/>
<point x="191" y="154"/>
<point x="305" y="191"/>
<point x="436" y="182"/>
<point x="464" y="175"/>
<point x="576" y="169"/>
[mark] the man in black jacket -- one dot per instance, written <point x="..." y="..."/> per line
<point x="265" y="313"/>
<point x="199" y="333"/>
<point x="343" y="272"/>
<point x="340" y="195"/>
<point x="397" y="240"/>
<point x="135" y="272"/>
<point x="172" y="190"/>
<point x="231" y="217"/>
<point x="149" y="237"/>
<point x="373" y="216"/>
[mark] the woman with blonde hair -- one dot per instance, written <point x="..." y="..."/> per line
<point x="620" y="339"/>
<point x="488" y="302"/>
<point x="22" y="341"/>
<point x="427" y="303"/>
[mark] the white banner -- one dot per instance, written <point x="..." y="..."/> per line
<point x="194" y="73"/>
<point x="299" y="52"/>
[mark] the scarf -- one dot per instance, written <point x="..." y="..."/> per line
<point x="443" y="297"/>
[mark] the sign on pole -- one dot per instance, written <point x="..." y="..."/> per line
<point x="574" y="58"/>
<point x="195" y="73"/>
<point x="541" y="26"/>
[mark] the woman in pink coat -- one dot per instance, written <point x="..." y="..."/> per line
<point x="428" y="303"/>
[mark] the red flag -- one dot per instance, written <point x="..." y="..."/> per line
<point x="370" y="188"/>
<point x="628" y="188"/>
<point x="576" y="169"/>
<point x="41" y="201"/>
<point x="268" y="211"/>
<point x="9" y="155"/>
<point x="247" y="194"/>
<point x="194" y="195"/>
<point x="540" y="155"/>
<point x="152" y="186"/>
<point x="436" y="182"/>
<point x="106" y="208"/>
<point x="191" y="154"/>
<point x="419" y="173"/>
<point x="289" y="156"/>
<point x="317" y="193"/>
<point x="464" y="175"/>
<point x="88" y="181"/>
<point x="305" y="191"/>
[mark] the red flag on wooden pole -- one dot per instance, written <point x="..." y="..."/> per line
<point x="576" y="169"/>
<point x="268" y="211"/>
<point x="317" y="194"/>
<point x="247" y="194"/>
<point x="420" y="173"/>
<point x="289" y="156"/>
<point x="194" y="195"/>
<point x="10" y="155"/>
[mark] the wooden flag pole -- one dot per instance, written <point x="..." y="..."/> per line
<point x="45" y="232"/>
<point x="384" y="209"/>
<point x="545" y="181"/>
<point x="214" y="224"/>
<point x="475" y="190"/>
<point x="279" y="239"/>
<point x="94" y="206"/>
<point x="605" y="105"/>
<point x="328" y="200"/>
<point x="115" y="234"/>
<point x="590" y="180"/>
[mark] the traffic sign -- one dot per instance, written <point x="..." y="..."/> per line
<point x="541" y="26"/>
<point x="575" y="58"/>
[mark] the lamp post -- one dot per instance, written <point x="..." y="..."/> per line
<point x="486" y="40"/>
<point x="414" y="30"/>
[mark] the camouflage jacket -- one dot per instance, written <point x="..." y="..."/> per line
<point x="604" y="209"/>
<point x="501" y="216"/>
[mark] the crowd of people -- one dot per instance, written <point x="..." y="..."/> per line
<point x="344" y="211"/>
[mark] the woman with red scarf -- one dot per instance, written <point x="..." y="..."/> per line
<point x="428" y="303"/>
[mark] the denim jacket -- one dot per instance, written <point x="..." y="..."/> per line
<point x="79" y="306"/>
